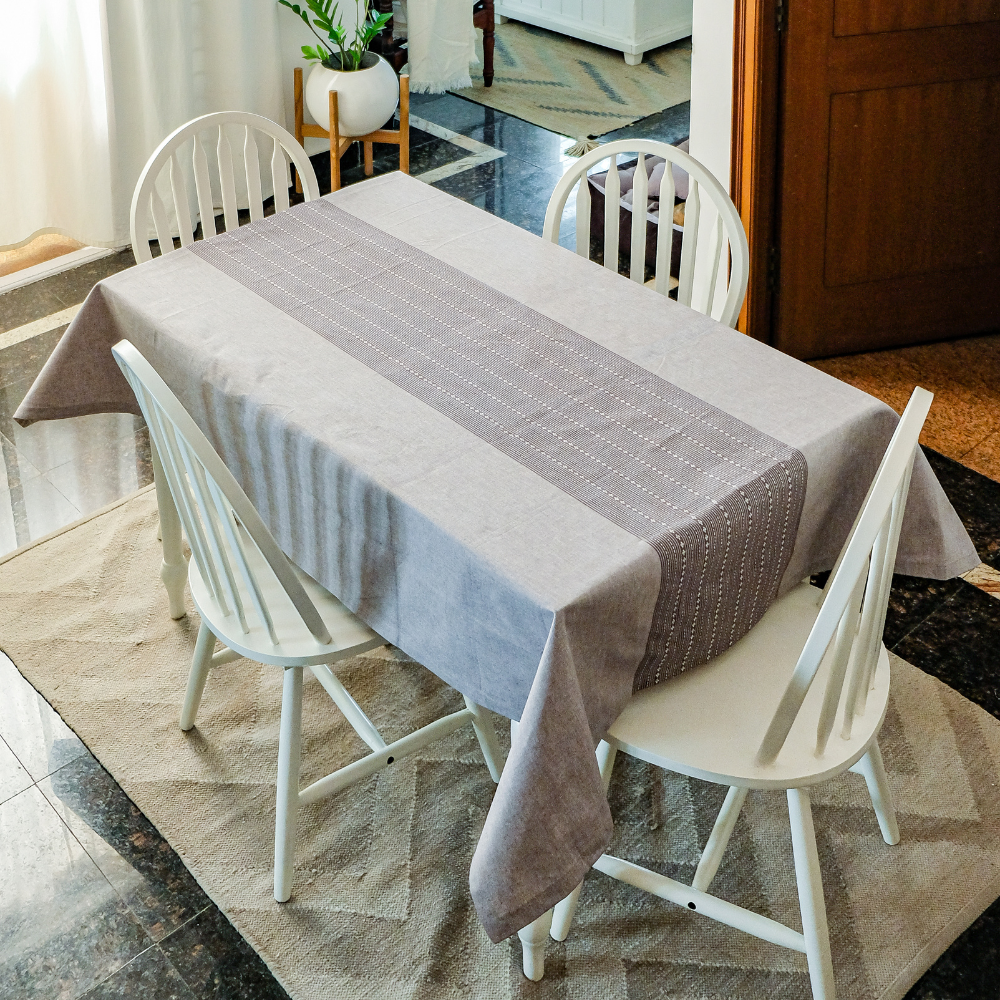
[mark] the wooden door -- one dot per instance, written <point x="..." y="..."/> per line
<point x="888" y="194"/>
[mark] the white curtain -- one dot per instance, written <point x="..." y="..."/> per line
<point x="89" y="88"/>
<point x="441" y="44"/>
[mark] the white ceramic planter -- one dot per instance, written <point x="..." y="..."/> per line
<point x="366" y="97"/>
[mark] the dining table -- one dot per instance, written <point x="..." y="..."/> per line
<point x="545" y="482"/>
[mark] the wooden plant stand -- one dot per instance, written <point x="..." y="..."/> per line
<point x="340" y="143"/>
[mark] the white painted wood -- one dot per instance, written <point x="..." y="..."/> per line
<point x="640" y="196"/>
<point x="811" y="902"/>
<point x="533" y="939"/>
<point x="287" y="805"/>
<point x="729" y="228"/>
<point x="203" y="186"/>
<point x="252" y="166"/>
<point x="227" y="180"/>
<point x="612" y="215"/>
<point x="261" y="606"/>
<point x="212" y="128"/>
<point x="718" y="840"/>
<point x="583" y="209"/>
<point x="179" y="191"/>
<point x="689" y="248"/>
<point x="701" y="902"/>
<point x="779" y="730"/>
<point x="630" y="26"/>
<point x="198" y="677"/>
<point x="872" y="769"/>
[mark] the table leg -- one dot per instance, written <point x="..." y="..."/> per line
<point x="173" y="571"/>
<point x="533" y="938"/>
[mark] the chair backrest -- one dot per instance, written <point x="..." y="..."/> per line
<point x="726" y="232"/>
<point x="175" y="216"/>
<point x="852" y="615"/>
<point x="212" y="505"/>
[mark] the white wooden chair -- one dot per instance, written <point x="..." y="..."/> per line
<point x="726" y="230"/>
<point x="261" y="606"/>
<point x="175" y="217"/>
<point x="774" y="712"/>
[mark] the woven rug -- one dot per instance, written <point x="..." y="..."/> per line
<point x="576" y="88"/>
<point x="381" y="906"/>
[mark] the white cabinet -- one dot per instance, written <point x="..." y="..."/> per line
<point x="631" y="26"/>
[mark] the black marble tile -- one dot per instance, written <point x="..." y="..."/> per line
<point x="49" y="295"/>
<point x="459" y="114"/>
<point x="911" y="601"/>
<point x="31" y="727"/>
<point x="217" y="963"/>
<point x="26" y="359"/>
<point x="510" y="188"/>
<point x="672" y="125"/>
<point x="522" y="139"/>
<point x="62" y="927"/>
<point x="968" y="969"/>
<point x="13" y="777"/>
<point x="105" y="471"/>
<point x="976" y="499"/>
<point x="958" y="644"/>
<point x="26" y="304"/>
<point x="94" y="438"/>
<point x="149" y="976"/>
<point x="143" y="868"/>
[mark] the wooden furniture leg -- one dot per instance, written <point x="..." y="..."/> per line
<point x="369" y="159"/>
<point x="335" y="149"/>
<point x="488" y="43"/>
<point x="298" y="121"/>
<point x="404" y="124"/>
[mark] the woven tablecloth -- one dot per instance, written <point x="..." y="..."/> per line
<point x="506" y="461"/>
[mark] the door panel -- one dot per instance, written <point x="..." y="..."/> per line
<point x="864" y="17"/>
<point x="888" y="200"/>
<point x="895" y="150"/>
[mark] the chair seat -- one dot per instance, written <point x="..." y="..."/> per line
<point x="297" y="644"/>
<point x="709" y="721"/>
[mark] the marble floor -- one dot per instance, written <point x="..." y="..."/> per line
<point x="93" y="902"/>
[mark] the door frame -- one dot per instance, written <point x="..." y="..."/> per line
<point x="754" y="153"/>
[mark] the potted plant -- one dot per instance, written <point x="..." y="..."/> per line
<point x="366" y="85"/>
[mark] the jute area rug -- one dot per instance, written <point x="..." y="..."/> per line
<point x="575" y="88"/>
<point x="381" y="906"/>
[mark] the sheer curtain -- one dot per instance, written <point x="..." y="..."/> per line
<point x="89" y="88"/>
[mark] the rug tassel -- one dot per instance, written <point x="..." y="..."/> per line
<point x="582" y="146"/>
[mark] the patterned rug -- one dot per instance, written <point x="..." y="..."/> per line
<point x="381" y="906"/>
<point x="575" y="88"/>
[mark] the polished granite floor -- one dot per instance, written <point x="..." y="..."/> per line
<point x="92" y="901"/>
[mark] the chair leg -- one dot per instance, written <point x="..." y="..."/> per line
<point x="811" y="902"/>
<point x="533" y="938"/>
<point x="718" y="840"/>
<point x="872" y="769"/>
<point x="200" y="667"/>
<point x="564" y="911"/>
<point x="286" y="812"/>
<point x="173" y="569"/>
<point x="487" y="736"/>
<point x="489" y="41"/>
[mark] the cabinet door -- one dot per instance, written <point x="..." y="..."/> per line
<point x="889" y="186"/>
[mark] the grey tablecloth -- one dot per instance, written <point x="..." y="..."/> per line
<point x="507" y="587"/>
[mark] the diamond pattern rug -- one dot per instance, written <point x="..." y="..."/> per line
<point x="381" y="906"/>
<point x="573" y="87"/>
